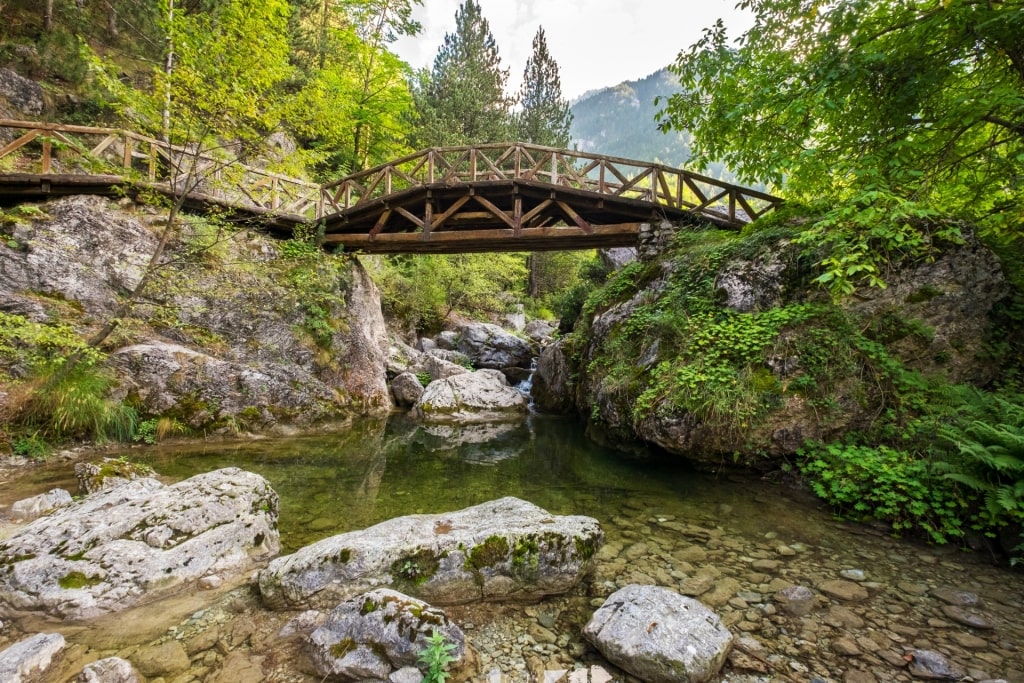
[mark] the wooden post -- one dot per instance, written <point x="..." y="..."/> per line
<point x="46" y="155"/>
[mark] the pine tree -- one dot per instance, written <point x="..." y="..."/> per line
<point x="545" y="117"/>
<point x="462" y="99"/>
<point x="544" y="120"/>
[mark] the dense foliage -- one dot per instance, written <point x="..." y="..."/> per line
<point x="888" y="115"/>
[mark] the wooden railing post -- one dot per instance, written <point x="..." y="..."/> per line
<point x="46" y="156"/>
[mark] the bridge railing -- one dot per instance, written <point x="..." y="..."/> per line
<point x="52" y="149"/>
<point x="611" y="176"/>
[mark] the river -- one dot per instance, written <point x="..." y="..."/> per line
<point x="730" y="540"/>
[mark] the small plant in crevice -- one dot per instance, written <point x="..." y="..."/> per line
<point x="436" y="657"/>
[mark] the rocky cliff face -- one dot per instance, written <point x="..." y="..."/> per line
<point x="721" y="348"/>
<point x="231" y="331"/>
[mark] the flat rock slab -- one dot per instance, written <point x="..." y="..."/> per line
<point x="659" y="635"/>
<point x="140" y="540"/>
<point x="507" y="549"/>
<point x="27" y="659"/>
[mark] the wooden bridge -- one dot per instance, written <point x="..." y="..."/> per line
<point x="496" y="197"/>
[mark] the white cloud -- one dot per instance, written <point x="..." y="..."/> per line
<point x="596" y="43"/>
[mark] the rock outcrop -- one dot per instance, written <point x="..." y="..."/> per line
<point x="738" y="354"/>
<point x="138" y="541"/>
<point x="659" y="636"/>
<point x="374" y="634"/>
<point x="506" y="549"/>
<point x="227" y="337"/>
<point x="471" y="397"/>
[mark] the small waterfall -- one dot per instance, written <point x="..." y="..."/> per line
<point x="526" y="385"/>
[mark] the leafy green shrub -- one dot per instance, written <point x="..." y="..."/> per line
<point x="899" y="487"/>
<point x="31" y="446"/>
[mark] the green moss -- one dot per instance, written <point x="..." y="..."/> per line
<point x="415" y="569"/>
<point x="526" y="558"/>
<point x="369" y="607"/>
<point x="73" y="580"/>
<point x="342" y="648"/>
<point x="586" y="547"/>
<point x="926" y="293"/>
<point x="489" y="553"/>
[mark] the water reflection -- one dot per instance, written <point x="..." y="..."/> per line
<point x="381" y="469"/>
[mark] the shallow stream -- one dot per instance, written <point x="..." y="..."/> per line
<point x="731" y="541"/>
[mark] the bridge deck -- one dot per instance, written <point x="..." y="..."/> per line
<point x="499" y="197"/>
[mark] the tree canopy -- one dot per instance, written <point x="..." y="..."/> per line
<point x="891" y="114"/>
<point x="462" y="99"/>
<point x="545" y="117"/>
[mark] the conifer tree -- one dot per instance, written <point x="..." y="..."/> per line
<point x="462" y="99"/>
<point x="545" y="117"/>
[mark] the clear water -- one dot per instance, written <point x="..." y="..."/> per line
<point x="331" y="483"/>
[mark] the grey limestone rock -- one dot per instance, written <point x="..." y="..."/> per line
<point x="552" y="389"/>
<point x="440" y="368"/>
<point x="932" y="665"/>
<point x="377" y="633"/>
<point x="406" y="389"/>
<point x="24" y="95"/>
<point x="138" y="541"/>
<point x="109" y="670"/>
<point x="472" y="397"/>
<point x="507" y="549"/>
<point x="27" y="509"/>
<point x="28" y="659"/>
<point x="490" y="346"/>
<point x="109" y="473"/>
<point x="659" y="636"/>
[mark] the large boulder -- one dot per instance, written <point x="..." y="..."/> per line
<point x="490" y="346"/>
<point x="473" y="397"/>
<point x="138" y="541"/>
<point x="376" y="633"/>
<point x="659" y="636"/>
<point x="552" y="389"/>
<point x="507" y="549"/>
<point x="30" y="658"/>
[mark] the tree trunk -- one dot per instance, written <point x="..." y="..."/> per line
<point x="48" y="16"/>
<point x="111" y="20"/>
<point x="168" y="70"/>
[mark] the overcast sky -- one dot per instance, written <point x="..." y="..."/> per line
<point x="597" y="43"/>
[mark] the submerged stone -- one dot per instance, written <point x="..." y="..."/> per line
<point x="506" y="549"/>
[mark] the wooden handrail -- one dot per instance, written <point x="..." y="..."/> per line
<point x="162" y="162"/>
<point x="601" y="174"/>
